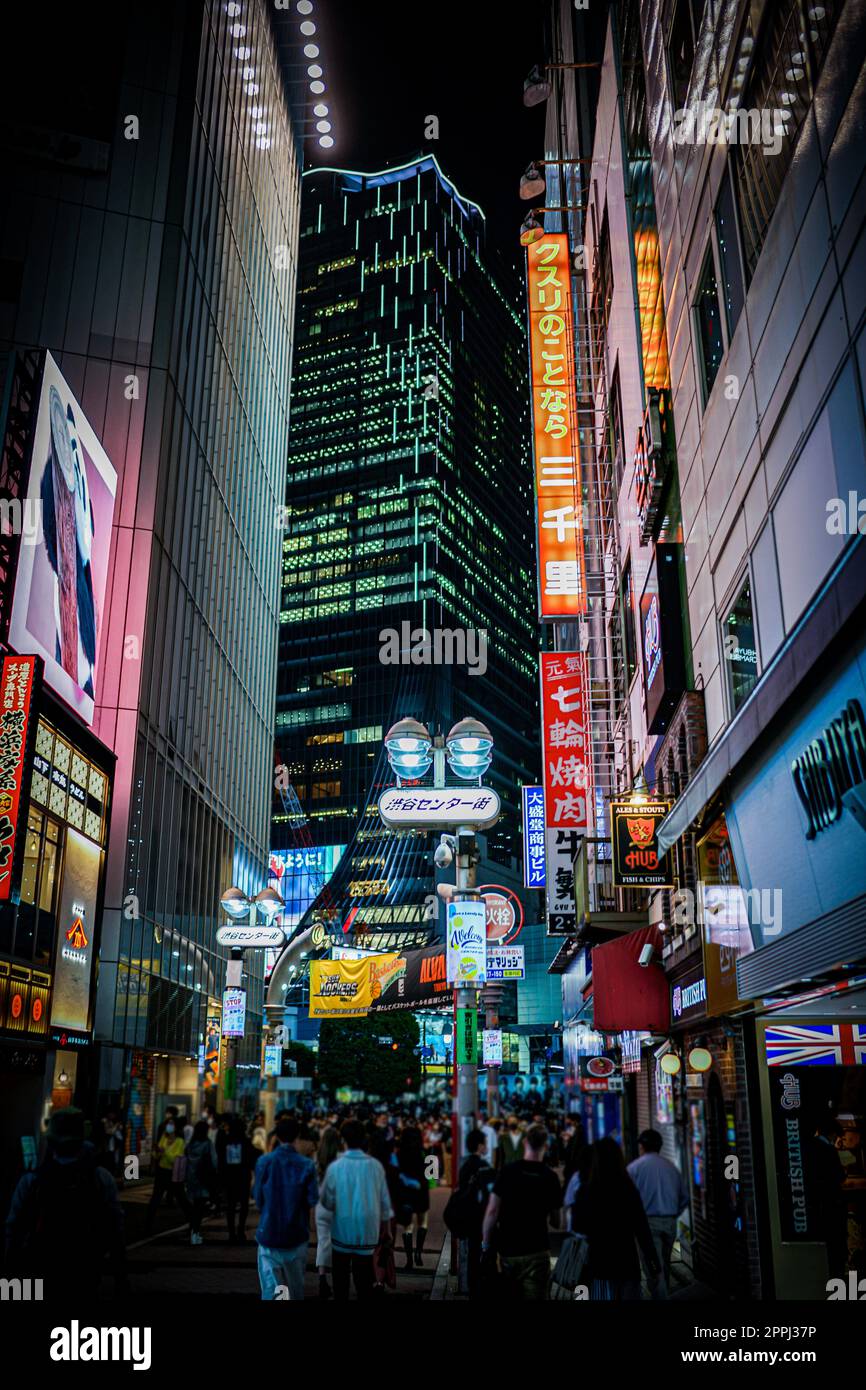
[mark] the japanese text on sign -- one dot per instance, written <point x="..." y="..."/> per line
<point x="533" y="837"/>
<point x="566" y="741"/>
<point x="562" y="590"/>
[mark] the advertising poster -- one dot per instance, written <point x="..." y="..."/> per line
<point x="491" y="1047"/>
<point x="422" y="983"/>
<point x="634" y="832"/>
<point x="467" y="1037"/>
<point x="347" y="988"/>
<point x="19" y="681"/>
<point x="61" y="579"/>
<point x="73" y="961"/>
<point x="467" y="942"/>
<point x="213" y="1038"/>
<point x="234" y="1012"/>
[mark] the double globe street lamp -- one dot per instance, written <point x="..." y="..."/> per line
<point x="237" y="905"/>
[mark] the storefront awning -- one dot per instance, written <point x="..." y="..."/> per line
<point x="628" y="996"/>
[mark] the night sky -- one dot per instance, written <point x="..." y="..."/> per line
<point x="386" y="69"/>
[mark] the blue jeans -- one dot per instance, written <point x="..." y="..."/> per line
<point x="282" y="1269"/>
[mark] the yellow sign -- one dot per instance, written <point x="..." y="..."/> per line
<point x="347" y="988"/>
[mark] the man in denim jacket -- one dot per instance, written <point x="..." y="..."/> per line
<point x="285" y="1193"/>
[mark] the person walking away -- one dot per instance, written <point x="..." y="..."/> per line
<point x="113" y="1132"/>
<point x="475" y="1179"/>
<point x="415" y="1194"/>
<point x="356" y="1193"/>
<point x="664" y="1194"/>
<point x="65" y="1215"/>
<point x="526" y="1196"/>
<point x="572" y="1187"/>
<point x="330" y="1145"/>
<point x="608" y="1211"/>
<point x="236" y="1159"/>
<point x="168" y="1177"/>
<point x="510" y="1147"/>
<point x="201" y="1178"/>
<point x="285" y="1192"/>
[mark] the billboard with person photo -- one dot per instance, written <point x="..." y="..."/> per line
<point x="61" y="578"/>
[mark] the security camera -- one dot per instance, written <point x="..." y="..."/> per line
<point x="443" y="856"/>
<point x="646" y="954"/>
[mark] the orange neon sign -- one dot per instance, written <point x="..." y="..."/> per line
<point x="561" y="571"/>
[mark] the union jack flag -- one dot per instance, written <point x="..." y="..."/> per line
<point x="816" y="1045"/>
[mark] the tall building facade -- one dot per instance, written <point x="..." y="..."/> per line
<point x="407" y="586"/>
<point x="150" y="246"/>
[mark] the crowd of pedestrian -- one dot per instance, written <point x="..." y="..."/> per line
<point x="356" y="1181"/>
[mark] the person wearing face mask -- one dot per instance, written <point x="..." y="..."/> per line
<point x="510" y="1147"/>
<point x="168" y="1175"/>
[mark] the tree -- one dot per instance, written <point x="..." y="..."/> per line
<point x="374" y="1054"/>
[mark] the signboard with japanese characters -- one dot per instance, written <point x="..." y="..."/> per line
<point x="566" y="740"/>
<point x="636" y="861"/>
<point x="562" y="847"/>
<point x="234" y="1012"/>
<point x="561" y="573"/>
<point x="505" y="962"/>
<point x="491" y="1047"/>
<point x="401" y="808"/>
<point x="17" y="688"/>
<point x="568" y="797"/>
<point x="533" y="836"/>
<point x="504" y="913"/>
<point x="466" y="961"/>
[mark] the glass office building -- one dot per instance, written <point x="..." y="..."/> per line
<point x="407" y="556"/>
<point x="155" y="194"/>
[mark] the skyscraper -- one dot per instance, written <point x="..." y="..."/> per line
<point x="407" y="562"/>
<point x="156" y="196"/>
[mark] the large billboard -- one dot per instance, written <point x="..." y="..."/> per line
<point x="561" y="570"/>
<point x="61" y="579"/>
<point x="76" y="925"/>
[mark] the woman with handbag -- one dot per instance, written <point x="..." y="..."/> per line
<point x="413" y="1213"/>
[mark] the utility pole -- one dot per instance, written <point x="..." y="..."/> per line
<point x="466" y="1093"/>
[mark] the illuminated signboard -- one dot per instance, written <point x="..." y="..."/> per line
<point x="466" y="937"/>
<point x="634" y="831"/>
<point x="73" y="961"/>
<point x="561" y="570"/>
<point x="652" y="465"/>
<point x="661" y="638"/>
<point x="60" y="582"/>
<point x="533" y="836"/>
<point x="504" y="913"/>
<point x="301" y="874"/>
<point x="566" y="739"/>
<point x="18" y="679"/>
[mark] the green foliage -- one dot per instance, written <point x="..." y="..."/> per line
<point x="351" y="1053"/>
<point x="304" y="1056"/>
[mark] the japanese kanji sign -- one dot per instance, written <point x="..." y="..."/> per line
<point x="16" y="695"/>
<point x="533" y="837"/>
<point x="566" y="741"/>
<point x="562" y="587"/>
<point x="431" y="808"/>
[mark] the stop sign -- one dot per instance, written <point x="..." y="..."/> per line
<point x="504" y="913"/>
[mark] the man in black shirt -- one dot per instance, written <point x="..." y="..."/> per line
<point x="525" y="1197"/>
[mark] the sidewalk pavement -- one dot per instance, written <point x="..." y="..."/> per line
<point x="165" y="1264"/>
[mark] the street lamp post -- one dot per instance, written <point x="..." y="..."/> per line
<point x="236" y="905"/>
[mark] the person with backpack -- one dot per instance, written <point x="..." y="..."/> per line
<point x="474" y="1184"/>
<point x="66" y="1214"/>
<point x="525" y="1198"/>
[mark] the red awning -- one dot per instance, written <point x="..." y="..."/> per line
<point x="627" y="995"/>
